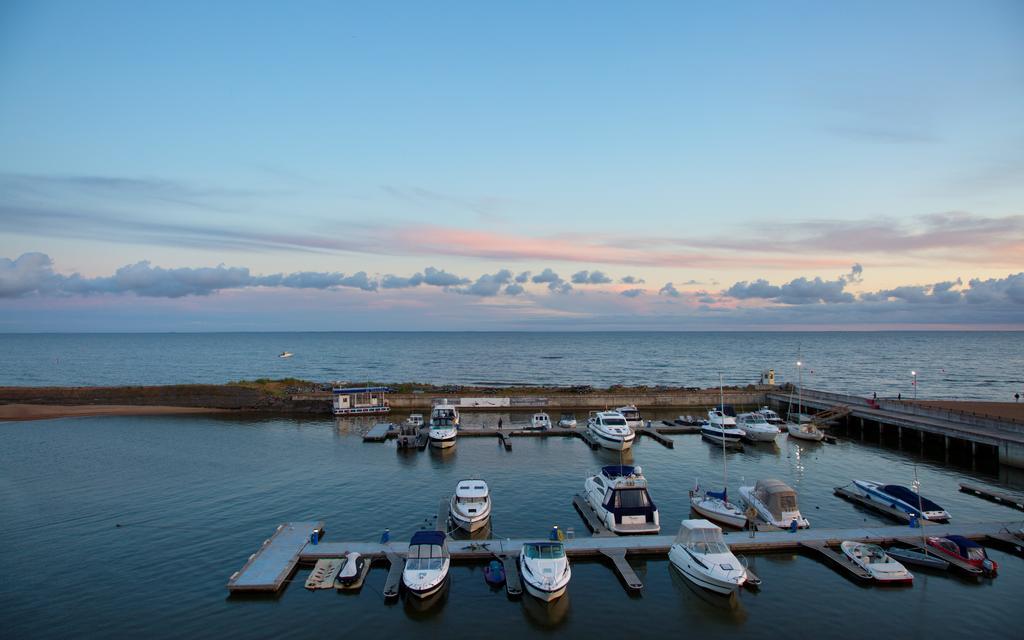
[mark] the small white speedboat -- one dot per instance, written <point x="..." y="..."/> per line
<point x="610" y="430"/>
<point x="470" y="507"/>
<point x="715" y="505"/>
<point x="721" y="428"/>
<point x="805" y="431"/>
<point x="568" y="420"/>
<point x="700" y="553"/>
<point x="285" y="354"/>
<point x="775" y="503"/>
<point x="444" y="425"/>
<point x="414" y="420"/>
<point x="540" y="422"/>
<point x="873" y="559"/>
<point x="545" y="569"/>
<point x="632" y="416"/>
<point x="351" y="574"/>
<point x="426" y="564"/>
<point x="755" y="428"/>
<point x="619" y="497"/>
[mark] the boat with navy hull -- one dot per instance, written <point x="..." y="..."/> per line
<point x="902" y="498"/>
<point x="618" y="494"/>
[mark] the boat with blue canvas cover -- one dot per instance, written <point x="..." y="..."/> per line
<point x="904" y="498"/>
<point x="715" y="505"/>
<point x="618" y="494"/>
<point x="426" y="564"/>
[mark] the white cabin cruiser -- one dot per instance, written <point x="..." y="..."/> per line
<point x="701" y="554"/>
<point x="632" y="416"/>
<point x="545" y="569"/>
<point x="414" y="420"/>
<point x="903" y="498"/>
<point x="540" y="422"/>
<point x="771" y="417"/>
<point x="426" y="564"/>
<point x="873" y="559"/>
<point x="444" y="425"/>
<point x="470" y="507"/>
<point x="610" y="430"/>
<point x="568" y="420"/>
<point x="721" y="428"/>
<point x="775" y="503"/>
<point x="619" y="497"/>
<point x="756" y="428"/>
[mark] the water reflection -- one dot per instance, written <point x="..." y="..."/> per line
<point x="545" y="615"/>
<point x="723" y="608"/>
<point x="429" y="607"/>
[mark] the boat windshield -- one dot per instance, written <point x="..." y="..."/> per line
<point x="465" y="500"/>
<point x="544" y="551"/>
<point x="425" y="557"/>
<point x="975" y="553"/>
<point x="614" y="422"/>
<point x="631" y="498"/>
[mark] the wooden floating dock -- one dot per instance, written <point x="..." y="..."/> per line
<point x="276" y="559"/>
<point x="590" y="517"/>
<point x="506" y="440"/>
<point x="270" y="567"/>
<point x="513" y="585"/>
<point x="656" y="434"/>
<point x="622" y="567"/>
<point x="839" y="559"/>
<point x="878" y="507"/>
<point x="379" y="432"/>
<point x="1007" y="499"/>
<point x="443" y="513"/>
<point x="394" y="581"/>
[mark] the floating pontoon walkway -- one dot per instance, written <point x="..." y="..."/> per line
<point x="270" y="567"/>
<point x="1017" y="502"/>
<point x="379" y="432"/>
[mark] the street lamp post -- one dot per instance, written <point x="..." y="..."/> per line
<point x="913" y="374"/>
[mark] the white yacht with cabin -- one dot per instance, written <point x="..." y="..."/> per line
<point x="619" y="496"/>
<point x="775" y="503"/>
<point x="610" y="430"/>
<point x="444" y="425"/>
<point x="771" y="417"/>
<point x="426" y="564"/>
<point x="632" y="416"/>
<point x="721" y="427"/>
<point x="700" y="553"/>
<point x="540" y="422"/>
<point x="545" y="570"/>
<point x="470" y="507"/>
<point x="756" y="428"/>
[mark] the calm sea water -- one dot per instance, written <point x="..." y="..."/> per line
<point x="196" y="495"/>
<point x="972" y="365"/>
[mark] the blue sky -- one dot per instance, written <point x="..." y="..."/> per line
<point x="684" y="144"/>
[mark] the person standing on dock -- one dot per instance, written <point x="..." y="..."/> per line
<point x="1016" y="397"/>
<point x="499" y="424"/>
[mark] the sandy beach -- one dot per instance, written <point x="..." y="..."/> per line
<point x="19" y="412"/>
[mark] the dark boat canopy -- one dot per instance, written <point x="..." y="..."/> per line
<point x="617" y="470"/>
<point x="427" y="537"/>
<point x="907" y="495"/>
<point x="964" y="544"/>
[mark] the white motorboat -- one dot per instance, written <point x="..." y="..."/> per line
<point x="414" y="420"/>
<point x="805" y="431"/>
<point x="426" y="564"/>
<point x="715" y="505"/>
<point x="632" y="416"/>
<point x="285" y="354"/>
<point x="351" y="574"/>
<point x="756" y="428"/>
<point x="470" y="507"/>
<point x="775" y="503"/>
<point x="540" y="422"/>
<point x="771" y="417"/>
<point x="873" y="559"/>
<point x="903" y="498"/>
<point x="444" y="425"/>
<point x="545" y="569"/>
<point x="619" y="497"/>
<point x="610" y="430"/>
<point x="568" y="420"/>
<point x="700" y="553"/>
<point x="721" y="428"/>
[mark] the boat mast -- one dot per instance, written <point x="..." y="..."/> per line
<point x="725" y="464"/>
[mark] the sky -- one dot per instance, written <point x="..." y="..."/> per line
<point x="196" y="166"/>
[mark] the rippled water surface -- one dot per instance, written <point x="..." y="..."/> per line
<point x="976" y="365"/>
<point x="196" y="495"/>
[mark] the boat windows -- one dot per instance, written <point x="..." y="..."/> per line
<point x="787" y="503"/>
<point x="975" y="553"/>
<point x="708" y="546"/>
<point x="631" y="498"/>
<point x="613" y="422"/>
<point x="463" y="500"/>
<point x="544" y="551"/>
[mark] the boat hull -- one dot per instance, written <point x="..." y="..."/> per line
<point x="426" y="592"/>
<point x="615" y="443"/>
<point x="693" y="572"/>
<point x="811" y="436"/>
<point x="468" y="524"/>
<point x="707" y="509"/>
<point x="442" y="443"/>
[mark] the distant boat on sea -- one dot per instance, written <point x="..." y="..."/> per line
<point x="285" y="354"/>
